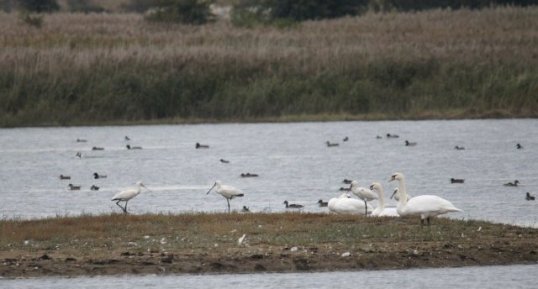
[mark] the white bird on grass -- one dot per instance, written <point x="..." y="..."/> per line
<point x="228" y="192"/>
<point x="128" y="194"/>
<point x="363" y="193"/>
<point x="426" y="206"/>
<point x="344" y="204"/>
<point x="381" y="210"/>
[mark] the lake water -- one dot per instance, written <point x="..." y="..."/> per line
<point x="291" y="159"/>
<point x="518" y="276"/>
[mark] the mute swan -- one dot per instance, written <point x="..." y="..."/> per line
<point x="128" y="194"/>
<point x="426" y="206"/>
<point x="228" y="192"/>
<point x="346" y="205"/>
<point x="363" y="194"/>
<point x="396" y="196"/>
<point x="380" y="210"/>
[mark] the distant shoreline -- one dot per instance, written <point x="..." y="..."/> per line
<point x="284" y="242"/>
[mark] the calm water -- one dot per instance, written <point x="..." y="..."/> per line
<point x="292" y="160"/>
<point x="521" y="276"/>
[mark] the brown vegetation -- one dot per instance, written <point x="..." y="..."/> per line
<point x="196" y="243"/>
<point x="80" y="68"/>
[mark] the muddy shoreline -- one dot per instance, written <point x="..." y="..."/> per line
<point x="462" y="243"/>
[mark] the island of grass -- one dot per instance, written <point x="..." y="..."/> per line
<point x="283" y="242"/>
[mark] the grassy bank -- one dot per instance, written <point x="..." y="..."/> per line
<point x="112" y="68"/>
<point x="197" y="243"/>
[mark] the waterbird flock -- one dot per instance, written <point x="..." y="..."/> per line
<point x="425" y="206"/>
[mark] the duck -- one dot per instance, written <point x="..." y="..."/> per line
<point x="224" y="161"/>
<point x="129" y="147"/>
<point x="292" y="206"/>
<point x="345" y="204"/>
<point x="347" y="181"/>
<point x="73" y="187"/>
<point x="512" y="184"/>
<point x="245" y="209"/>
<point x="94" y="188"/>
<point x="458" y="148"/>
<point x="392" y="135"/>
<point x="364" y="194"/>
<point x="529" y="197"/>
<point x="97" y="148"/>
<point x="519" y="146"/>
<point x="248" y="175"/>
<point x="381" y="210"/>
<point x="456" y="181"/>
<point x="330" y="144"/>
<point x="126" y="138"/>
<point x="64" y="177"/>
<point x="345" y="139"/>
<point x="378" y="137"/>
<point x="81" y="140"/>
<point x="410" y="144"/>
<point x="98" y="176"/>
<point x="201" y="146"/>
<point x="344" y="189"/>
<point x="321" y="203"/>
<point x="426" y="206"/>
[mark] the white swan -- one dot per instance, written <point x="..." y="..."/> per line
<point x="346" y="205"/>
<point x="381" y="210"/>
<point x="363" y="194"/>
<point x="426" y="206"/>
<point x="396" y="196"/>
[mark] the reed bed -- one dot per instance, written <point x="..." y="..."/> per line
<point x="95" y="68"/>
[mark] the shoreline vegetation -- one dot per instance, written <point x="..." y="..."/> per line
<point x="281" y="242"/>
<point x="117" y="68"/>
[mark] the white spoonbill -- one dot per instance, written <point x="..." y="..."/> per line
<point x="228" y="192"/>
<point x="426" y="206"/>
<point x="346" y="205"/>
<point x="128" y="194"/>
<point x="363" y="193"/>
<point x="381" y="210"/>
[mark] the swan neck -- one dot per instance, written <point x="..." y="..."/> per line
<point x="402" y="191"/>
<point x="381" y="194"/>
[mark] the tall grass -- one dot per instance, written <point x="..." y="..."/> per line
<point x="116" y="67"/>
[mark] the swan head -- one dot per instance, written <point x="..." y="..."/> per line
<point x="139" y="183"/>
<point x="375" y="186"/>
<point x="396" y="177"/>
